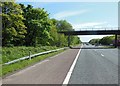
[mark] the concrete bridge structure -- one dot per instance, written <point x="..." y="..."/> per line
<point x="92" y="32"/>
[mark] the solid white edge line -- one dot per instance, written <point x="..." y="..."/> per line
<point x="66" y="80"/>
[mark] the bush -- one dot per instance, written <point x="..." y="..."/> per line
<point x="9" y="45"/>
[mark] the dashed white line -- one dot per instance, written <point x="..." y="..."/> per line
<point x="102" y="55"/>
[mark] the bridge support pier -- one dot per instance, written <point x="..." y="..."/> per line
<point x="115" y="40"/>
<point x="68" y="40"/>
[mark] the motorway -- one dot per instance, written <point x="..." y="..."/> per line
<point x="96" y="66"/>
<point x="93" y="66"/>
<point x="52" y="70"/>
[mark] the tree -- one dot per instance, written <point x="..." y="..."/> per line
<point x="12" y="22"/>
<point x="107" y="40"/>
<point x="63" y="25"/>
<point x="53" y="36"/>
<point x="38" y="25"/>
<point x="75" y="40"/>
<point x="94" y="41"/>
<point x="25" y="25"/>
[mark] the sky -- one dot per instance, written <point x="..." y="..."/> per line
<point x="82" y="15"/>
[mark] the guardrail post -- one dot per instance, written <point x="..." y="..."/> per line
<point x="29" y="55"/>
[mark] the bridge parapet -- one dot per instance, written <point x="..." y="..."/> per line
<point x="92" y="29"/>
<point x="92" y="32"/>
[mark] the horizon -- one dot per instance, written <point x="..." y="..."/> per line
<point x="82" y="14"/>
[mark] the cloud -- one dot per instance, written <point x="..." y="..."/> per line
<point x="65" y="14"/>
<point x="89" y="25"/>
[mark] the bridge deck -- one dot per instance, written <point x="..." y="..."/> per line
<point x="91" y="32"/>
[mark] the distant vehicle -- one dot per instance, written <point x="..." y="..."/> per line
<point x="111" y="44"/>
<point x="96" y="44"/>
<point x="87" y="43"/>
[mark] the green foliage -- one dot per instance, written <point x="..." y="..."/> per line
<point x="12" y="22"/>
<point x="107" y="40"/>
<point x="22" y="64"/>
<point x="25" y="25"/>
<point x="11" y="53"/>
<point x="53" y="36"/>
<point x="94" y="41"/>
<point x="63" y="25"/>
<point x="32" y="27"/>
<point x="62" y="40"/>
<point x="75" y="40"/>
<point x="38" y="24"/>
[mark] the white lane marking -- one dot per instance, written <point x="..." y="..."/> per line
<point x="102" y="55"/>
<point x="67" y="78"/>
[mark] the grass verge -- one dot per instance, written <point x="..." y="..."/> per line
<point x="12" y="53"/>
<point x="8" y="69"/>
<point x="109" y="46"/>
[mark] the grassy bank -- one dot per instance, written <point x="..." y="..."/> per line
<point x="104" y="46"/>
<point x="12" y="53"/>
<point x="7" y="69"/>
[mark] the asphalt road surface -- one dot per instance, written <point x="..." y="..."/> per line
<point x="96" y="66"/>
<point x="50" y="71"/>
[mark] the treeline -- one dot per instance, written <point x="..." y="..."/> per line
<point x="28" y="26"/>
<point x="107" y="40"/>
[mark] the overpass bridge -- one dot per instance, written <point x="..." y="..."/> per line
<point x="91" y="32"/>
